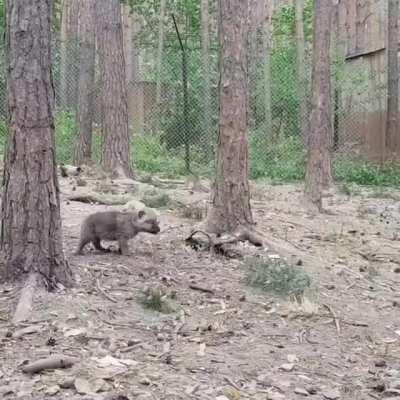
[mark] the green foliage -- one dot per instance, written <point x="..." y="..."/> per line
<point x="156" y="199"/>
<point x="367" y="174"/>
<point x="65" y="134"/>
<point x="151" y="155"/>
<point x="281" y="160"/>
<point x="157" y="300"/>
<point x="277" y="277"/>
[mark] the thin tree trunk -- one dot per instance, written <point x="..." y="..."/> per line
<point x="231" y="196"/>
<point x="301" y="70"/>
<point x="392" y="122"/>
<point x="69" y="54"/>
<point x="31" y="223"/>
<point x="160" y="52"/>
<point x="205" y="60"/>
<point x="87" y="46"/>
<point x="63" y="53"/>
<point x="130" y="59"/>
<point x="268" y="32"/>
<point x="319" y="169"/>
<point x="117" y="146"/>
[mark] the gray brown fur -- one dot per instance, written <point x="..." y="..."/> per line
<point x="116" y="225"/>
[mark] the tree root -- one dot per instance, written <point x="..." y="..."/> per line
<point x="222" y="245"/>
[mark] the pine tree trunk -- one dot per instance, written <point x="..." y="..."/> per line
<point x="301" y="70"/>
<point x="87" y="46"/>
<point x="116" y="146"/>
<point x="392" y="128"/>
<point x="31" y="224"/>
<point x="231" y="196"/>
<point x="319" y="169"/>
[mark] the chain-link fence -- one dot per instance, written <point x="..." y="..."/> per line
<point x="173" y="109"/>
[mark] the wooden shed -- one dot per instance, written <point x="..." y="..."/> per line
<point x="363" y="82"/>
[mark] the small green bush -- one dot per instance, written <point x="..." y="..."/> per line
<point x="277" y="277"/>
<point x="155" y="299"/>
<point x="367" y="174"/>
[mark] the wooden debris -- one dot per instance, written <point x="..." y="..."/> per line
<point x="201" y="289"/>
<point x="55" y="362"/>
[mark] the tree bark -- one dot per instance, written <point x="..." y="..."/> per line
<point x="319" y="169"/>
<point x="31" y="236"/>
<point x="87" y="46"/>
<point x="392" y="121"/>
<point x="117" y="143"/>
<point x="231" y="196"/>
<point x="301" y="70"/>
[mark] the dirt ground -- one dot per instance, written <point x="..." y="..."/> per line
<point x="234" y="342"/>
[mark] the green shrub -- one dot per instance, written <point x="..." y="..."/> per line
<point x="277" y="277"/>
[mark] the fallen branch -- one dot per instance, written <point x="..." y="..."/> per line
<point x="24" y="306"/>
<point x="221" y="245"/>
<point x="104" y="293"/>
<point x="334" y="316"/>
<point x="28" y="330"/>
<point x="55" y="362"/>
<point x="201" y="289"/>
<point x="90" y="198"/>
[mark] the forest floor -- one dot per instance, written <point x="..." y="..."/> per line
<point x="233" y="342"/>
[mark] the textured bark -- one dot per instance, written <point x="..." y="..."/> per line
<point x="31" y="224"/>
<point x="392" y="129"/>
<point x="231" y="197"/>
<point x="117" y="146"/>
<point x="301" y="70"/>
<point x="319" y="170"/>
<point x="87" y="46"/>
<point x="69" y="54"/>
<point x="205" y="60"/>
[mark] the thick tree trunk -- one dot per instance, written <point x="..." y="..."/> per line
<point x="301" y="70"/>
<point x="392" y="128"/>
<point x="31" y="224"/>
<point x="205" y="60"/>
<point x="231" y="197"/>
<point x="319" y="170"/>
<point x="87" y="46"/>
<point x="117" y="146"/>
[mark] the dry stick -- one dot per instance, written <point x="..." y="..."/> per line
<point x="54" y="362"/>
<point x="201" y="289"/>
<point x="24" y="306"/>
<point x="231" y="383"/>
<point x="104" y="293"/>
<point x="119" y="324"/>
<point x="335" y="318"/>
